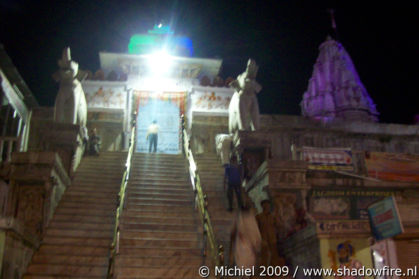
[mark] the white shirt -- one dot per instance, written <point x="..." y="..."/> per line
<point x="153" y="129"/>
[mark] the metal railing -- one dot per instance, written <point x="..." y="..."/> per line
<point x="120" y="204"/>
<point x="216" y="251"/>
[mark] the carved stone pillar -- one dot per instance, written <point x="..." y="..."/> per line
<point x="37" y="182"/>
<point x="62" y="138"/>
<point x="252" y="148"/>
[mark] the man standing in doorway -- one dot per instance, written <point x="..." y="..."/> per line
<point x="152" y="132"/>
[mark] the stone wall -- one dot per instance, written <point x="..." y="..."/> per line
<point x="203" y="130"/>
<point x="284" y="130"/>
<point x="303" y="250"/>
<point x="37" y="182"/>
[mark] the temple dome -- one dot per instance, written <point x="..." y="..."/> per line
<point x="335" y="90"/>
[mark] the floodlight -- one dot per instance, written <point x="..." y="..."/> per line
<point x="159" y="63"/>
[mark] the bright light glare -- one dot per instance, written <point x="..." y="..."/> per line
<point x="159" y="63"/>
<point x="160" y="25"/>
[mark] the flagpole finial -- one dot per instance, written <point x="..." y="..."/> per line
<point x="333" y="23"/>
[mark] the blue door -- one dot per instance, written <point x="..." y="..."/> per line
<point x="167" y="116"/>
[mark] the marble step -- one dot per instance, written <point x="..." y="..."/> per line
<point x="159" y="220"/>
<point x="74" y="250"/>
<point x="162" y="214"/>
<point x="171" y="271"/>
<point x="181" y="176"/>
<point x="98" y="193"/>
<point x="146" y="185"/>
<point x="158" y="243"/>
<point x="84" y="241"/>
<point x="98" y="179"/>
<point x="79" y="225"/>
<point x="159" y="201"/>
<point x="143" y="234"/>
<point x="90" y="199"/>
<point x="150" y="190"/>
<point x="70" y="260"/>
<point x="78" y="232"/>
<point x="87" y="206"/>
<point x="88" y="190"/>
<point x="186" y="195"/>
<point x="60" y="277"/>
<point x="84" y="212"/>
<point x="159" y="180"/>
<point x="138" y="261"/>
<point x="67" y="270"/>
<point x="98" y="219"/>
<point x="159" y="207"/>
<point x="167" y="252"/>
<point x="159" y="227"/>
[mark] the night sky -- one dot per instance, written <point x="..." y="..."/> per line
<point x="282" y="36"/>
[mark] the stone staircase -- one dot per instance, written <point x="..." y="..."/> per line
<point x="160" y="230"/>
<point x="77" y="241"/>
<point x="212" y="177"/>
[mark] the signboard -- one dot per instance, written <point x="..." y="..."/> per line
<point x="328" y="158"/>
<point x="385" y="219"/>
<point x="342" y="227"/>
<point x="392" y="166"/>
<point x="343" y="204"/>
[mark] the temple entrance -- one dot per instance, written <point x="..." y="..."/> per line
<point x="165" y="109"/>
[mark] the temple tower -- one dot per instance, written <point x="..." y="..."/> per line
<point x="335" y="90"/>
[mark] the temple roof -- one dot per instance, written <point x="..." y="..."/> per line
<point x="134" y="65"/>
<point x="335" y="90"/>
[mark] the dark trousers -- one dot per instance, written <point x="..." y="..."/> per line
<point x="234" y="188"/>
<point x="152" y="142"/>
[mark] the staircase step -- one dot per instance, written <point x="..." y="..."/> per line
<point x="75" y="250"/>
<point x="167" y="252"/>
<point x="73" y="270"/>
<point x="171" y="271"/>
<point x="90" y="199"/>
<point x="159" y="227"/>
<point x="161" y="195"/>
<point x="93" y="206"/>
<point x="84" y="212"/>
<point x="160" y="214"/>
<point x="137" y="261"/>
<point x="65" y="232"/>
<point x="158" y="243"/>
<point x="79" y="225"/>
<point x="159" y="220"/>
<point x="85" y="241"/>
<point x="159" y="200"/>
<point x="134" y="186"/>
<point x="70" y="260"/>
<point x="159" y="207"/>
<point x="60" y="277"/>
<point x="191" y="236"/>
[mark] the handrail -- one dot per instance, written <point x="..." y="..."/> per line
<point x="216" y="251"/>
<point x="120" y="206"/>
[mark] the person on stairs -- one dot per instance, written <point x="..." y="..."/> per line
<point x="268" y="224"/>
<point x="233" y="178"/>
<point x="245" y="239"/>
<point x="152" y="136"/>
<point x="94" y="143"/>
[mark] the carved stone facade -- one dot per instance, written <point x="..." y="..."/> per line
<point x="335" y="90"/>
<point x="37" y="182"/>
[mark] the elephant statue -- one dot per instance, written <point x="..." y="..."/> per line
<point x="70" y="103"/>
<point x="244" y="108"/>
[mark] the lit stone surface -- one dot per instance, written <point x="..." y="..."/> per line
<point x="335" y="90"/>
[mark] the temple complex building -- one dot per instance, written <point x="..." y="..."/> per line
<point x="129" y="213"/>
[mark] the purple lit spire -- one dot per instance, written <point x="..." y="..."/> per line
<point x="335" y="90"/>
